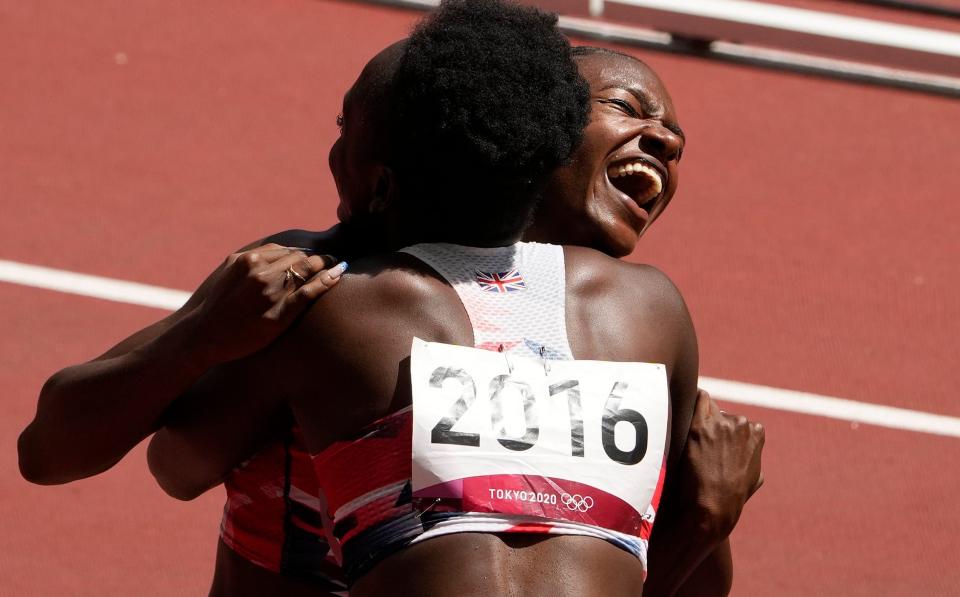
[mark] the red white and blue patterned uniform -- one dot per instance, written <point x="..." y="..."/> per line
<point x="273" y="515"/>
<point x="366" y="481"/>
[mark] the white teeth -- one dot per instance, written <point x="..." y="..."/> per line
<point x="634" y="168"/>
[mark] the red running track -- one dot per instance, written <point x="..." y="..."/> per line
<point x="815" y="238"/>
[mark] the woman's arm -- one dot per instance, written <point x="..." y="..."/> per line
<point x="719" y="470"/>
<point x="220" y="422"/>
<point x="236" y="408"/>
<point x="90" y="415"/>
<point x="713" y="466"/>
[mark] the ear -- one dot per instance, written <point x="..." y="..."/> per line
<point x="384" y="190"/>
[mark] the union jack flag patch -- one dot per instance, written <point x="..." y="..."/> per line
<point x="510" y="281"/>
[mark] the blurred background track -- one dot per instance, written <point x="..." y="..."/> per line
<point x="814" y="236"/>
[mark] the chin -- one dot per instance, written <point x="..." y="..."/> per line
<point x="618" y="245"/>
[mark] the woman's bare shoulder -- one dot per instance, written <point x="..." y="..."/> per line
<point x="595" y="275"/>
<point x="387" y="296"/>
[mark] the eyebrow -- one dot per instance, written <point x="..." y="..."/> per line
<point x="649" y="106"/>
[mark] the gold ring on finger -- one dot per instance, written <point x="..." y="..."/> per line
<point x="292" y="273"/>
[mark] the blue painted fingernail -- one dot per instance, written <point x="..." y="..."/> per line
<point x="337" y="270"/>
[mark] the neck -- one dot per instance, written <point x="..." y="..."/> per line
<point x="365" y="236"/>
<point x="465" y="238"/>
<point x="537" y="234"/>
<point x="403" y="231"/>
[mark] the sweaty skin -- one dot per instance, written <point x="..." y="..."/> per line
<point x="357" y="341"/>
<point x="92" y="400"/>
<point x="631" y="118"/>
<point x="641" y="123"/>
<point x="86" y="420"/>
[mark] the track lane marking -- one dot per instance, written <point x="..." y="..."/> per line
<point x="831" y="407"/>
<point x="134" y="293"/>
<point x="110" y="289"/>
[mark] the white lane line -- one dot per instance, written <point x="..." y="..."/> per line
<point x="828" y="406"/>
<point x="95" y="286"/>
<point x="724" y="390"/>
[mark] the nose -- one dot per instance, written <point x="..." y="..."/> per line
<point x="662" y="143"/>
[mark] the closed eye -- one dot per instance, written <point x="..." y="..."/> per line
<point x="622" y="105"/>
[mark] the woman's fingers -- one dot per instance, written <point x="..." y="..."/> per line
<point x="316" y="286"/>
<point x="295" y="269"/>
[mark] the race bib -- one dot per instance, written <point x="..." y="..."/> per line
<point x="581" y="441"/>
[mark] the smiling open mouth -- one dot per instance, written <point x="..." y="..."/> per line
<point x="639" y="181"/>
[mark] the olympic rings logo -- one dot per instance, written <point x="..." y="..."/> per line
<point x="577" y="502"/>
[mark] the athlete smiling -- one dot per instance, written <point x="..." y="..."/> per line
<point x="399" y="294"/>
<point x="585" y="207"/>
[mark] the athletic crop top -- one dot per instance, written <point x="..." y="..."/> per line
<point x="515" y="298"/>
<point x="273" y="515"/>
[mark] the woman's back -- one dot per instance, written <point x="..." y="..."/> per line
<point x="360" y="339"/>
<point x="615" y="311"/>
<point x="488" y="103"/>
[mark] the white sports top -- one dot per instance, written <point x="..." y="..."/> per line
<point x="515" y="296"/>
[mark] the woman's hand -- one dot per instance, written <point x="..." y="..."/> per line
<point x="256" y="295"/>
<point x="90" y="415"/>
<point x="718" y="472"/>
<point x="722" y="465"/>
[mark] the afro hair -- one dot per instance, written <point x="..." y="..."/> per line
<point x="487" y="103"/>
